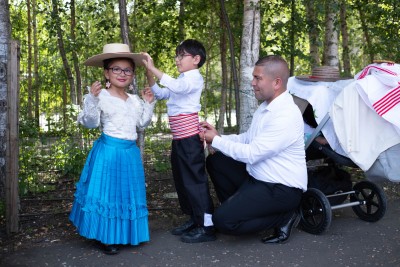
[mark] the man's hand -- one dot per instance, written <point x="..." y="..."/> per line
<point x="209" y="132"/>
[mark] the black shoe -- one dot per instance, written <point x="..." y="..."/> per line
<point x="283" y="233"/>
<point x="199" y="234"/>
<point x="184" y="228"/>
<point x="110" y="249"/>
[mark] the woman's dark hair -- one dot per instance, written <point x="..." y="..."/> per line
<point x="107" y="62"/>
<point x="194" y="48"/>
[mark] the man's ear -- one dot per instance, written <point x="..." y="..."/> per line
<point x="278" y="82"/>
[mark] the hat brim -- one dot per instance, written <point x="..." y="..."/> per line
<point x="309" y="78"/>
<point x="97" y="60"/>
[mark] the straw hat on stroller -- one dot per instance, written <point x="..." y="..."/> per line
<point x="323" y="74"/>
<point x="114" y="50"/>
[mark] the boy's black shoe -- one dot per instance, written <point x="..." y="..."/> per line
<point x="184" y="228"/>
<point x="199" y="234"/>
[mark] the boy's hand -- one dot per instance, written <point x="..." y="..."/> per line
<point x="148" y="62"/>
<point x="151" y="69"/>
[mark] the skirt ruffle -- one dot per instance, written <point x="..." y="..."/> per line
<point x="110" y="198"/>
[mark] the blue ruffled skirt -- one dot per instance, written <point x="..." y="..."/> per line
<point x="110" y="198"/>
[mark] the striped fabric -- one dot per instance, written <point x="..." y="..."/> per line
<point x="184" y="125"/>
<point x="367" y="70"/>
<point x="379" y="87"/>
<point x="386" y="103"/>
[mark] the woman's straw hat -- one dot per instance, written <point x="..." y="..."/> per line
<point x="323" y="74"/>
<point x="114" y="50"/>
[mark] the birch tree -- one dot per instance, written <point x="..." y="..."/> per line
<point x="250" y="49"/>
<point x="331" y="48"/>
<point x="5" y="35"/>
<point x="313" y="32"/>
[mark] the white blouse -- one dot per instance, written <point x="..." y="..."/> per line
<point x="116" y="117"/>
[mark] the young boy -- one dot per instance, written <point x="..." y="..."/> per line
<point x="187" y="155"/>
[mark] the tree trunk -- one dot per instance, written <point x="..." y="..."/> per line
<point x="75" y="56"/>
<point x="206" y="87"/>
<point x="345" y="39"/>
<point x="9" y="88"/>
<point x="5" y="36"/>
<point x="331" y="51"/>
<point x="229" y="105"/>
<point x="61" y="48"/>
<point x="365" y="30"/>
<point x="181" y="21"/>
<point x="249" y="54"/>
<point x="29" y="67"/>
<point x="224" y="75"/>
<point x="36" y="65"/>
<point x="292" y="35"/>
<point x="64" y="108"/>
<point x="313" y="33"/>
<point x="232" y="55"/>
<point x="123" y="18"/>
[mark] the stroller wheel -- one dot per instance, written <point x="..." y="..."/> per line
<point x="316" y="214"/>
<point x="372" y="200"/>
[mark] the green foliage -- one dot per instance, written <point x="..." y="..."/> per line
<point x="59" y="145"/>
<point x="157" y="151"/>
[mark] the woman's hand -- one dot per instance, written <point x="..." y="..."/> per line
<point x="148" y="95"/>
<point x="95" y="89"/>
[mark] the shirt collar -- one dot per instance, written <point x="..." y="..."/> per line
<point x="277" y="103"/>
<point x="190" y="72"/>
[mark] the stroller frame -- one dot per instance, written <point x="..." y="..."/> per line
<point x="367" y="199"/>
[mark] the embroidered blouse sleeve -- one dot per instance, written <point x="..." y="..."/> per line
<point x="147" y="112"/>
<point x="90" y="115"/>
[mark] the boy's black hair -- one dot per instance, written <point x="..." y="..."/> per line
<point x="194" y="48"/>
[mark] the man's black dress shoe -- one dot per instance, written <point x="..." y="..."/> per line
<point x="283" y="233"/>
<point x="110" y="249"/>
<point x="199" y="234"/>
<point x="184" y="228"/>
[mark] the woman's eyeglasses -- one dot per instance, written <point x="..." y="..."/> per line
<point x="181" y="56"/>
<point x="118" y="70"/>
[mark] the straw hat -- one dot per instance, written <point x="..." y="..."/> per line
<point x="379" y="61"/>
<point x="323" y="74"/>
<point x="115" y="50"/>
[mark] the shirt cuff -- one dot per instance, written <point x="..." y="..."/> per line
<point x="216" y="143"/>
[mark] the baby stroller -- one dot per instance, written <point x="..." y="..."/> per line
<point x="329" y="184"/>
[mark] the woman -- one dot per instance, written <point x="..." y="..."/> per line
<point x="110" y="199"/>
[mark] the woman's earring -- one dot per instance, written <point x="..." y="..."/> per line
<point x="108" y="84"/>
<point x="131" y="87"/>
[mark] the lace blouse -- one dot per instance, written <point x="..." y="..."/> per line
<point x="116" y="117"/>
